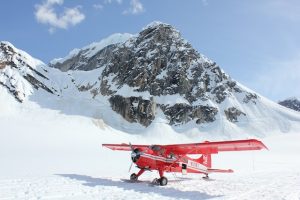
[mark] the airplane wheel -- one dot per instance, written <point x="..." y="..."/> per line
<point x="206" y="176"/>
<point x="155" y="181"/>
<point x="133" y="177"/>
<point x="163" y="181"/>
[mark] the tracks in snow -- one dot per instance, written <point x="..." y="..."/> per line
<point x="260" y="185"/>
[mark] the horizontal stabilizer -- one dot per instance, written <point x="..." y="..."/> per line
<point x="124" y="147"/>
<point x="220" y="170"/>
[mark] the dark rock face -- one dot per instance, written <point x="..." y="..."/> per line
<point x="87" y="87"/>
<point x="134" y="109"/>
<point x="233" y="113"/>
<point x="250" y="97"/>
<point x="159" y="62"/>
<point x="36" y="83"/>
<point x="183" y="113"/>
<point x="292" y="103"/>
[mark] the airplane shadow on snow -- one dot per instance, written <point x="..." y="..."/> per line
<point x="142" y="188"/>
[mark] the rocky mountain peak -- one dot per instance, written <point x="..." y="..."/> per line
<point x="154" y="61"/>
<point x="159" y="64"/>
<point x="143" y="80"/>
<point x="292" y="103"/>
<point x="6" y="47"/>
<point x="158" y="69"/>
<point x="20" y="73"/>
<point x="155" y="72"/>
<point x="7" y="52"/>
<point x="159" y="32"/>
<point x="90" y="57"/>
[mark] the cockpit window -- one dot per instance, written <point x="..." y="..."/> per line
<point x="155" y="147"/>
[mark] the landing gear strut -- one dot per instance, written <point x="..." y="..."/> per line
<point x="157" y="181"/>
<point x="160" y="181"/>
<point x="134" y="177"/>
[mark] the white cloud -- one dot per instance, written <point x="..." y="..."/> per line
<point x="279" y="79"/>
<point x="46" y="14"/>
<point x="111" y="1"/>
<point x="98" y="6"/>
<point x="136" y="7"/>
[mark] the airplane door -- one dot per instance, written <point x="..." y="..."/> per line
<point x="184" y="169"/>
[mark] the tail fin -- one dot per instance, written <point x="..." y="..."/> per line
<point x="205" y="160"/>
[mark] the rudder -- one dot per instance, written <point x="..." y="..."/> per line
<point x="205" y="160"/>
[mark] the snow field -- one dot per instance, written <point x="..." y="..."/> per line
<point x="45" y="154"/>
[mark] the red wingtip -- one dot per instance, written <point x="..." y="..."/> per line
<point x="263" y="146"/>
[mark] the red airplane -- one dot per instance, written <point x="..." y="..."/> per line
<point x="174" y="157"/>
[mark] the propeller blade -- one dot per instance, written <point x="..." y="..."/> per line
<point x="131" y="162"/>
<point x="131" y="146"/>
<point x="130" y="166"/>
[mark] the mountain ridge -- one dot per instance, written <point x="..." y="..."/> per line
<point x="292" y="103"/>
<point x="158" y="63"/>
<point x="145" y="78"/>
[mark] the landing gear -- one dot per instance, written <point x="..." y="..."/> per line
<point x="206" y="177"/>
<point x="133" y="177"/>
<point x="157" y="181"/>
<point x="162" y="181"/>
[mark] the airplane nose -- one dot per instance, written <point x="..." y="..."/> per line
<point x="135" y="155"/>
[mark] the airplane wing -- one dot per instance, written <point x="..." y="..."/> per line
<point x="196" y="148"/>
<point x="124" y="147"/>
<point x="214" y="147"/>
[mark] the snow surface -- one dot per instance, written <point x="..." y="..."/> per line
<point x="52" y="154"/>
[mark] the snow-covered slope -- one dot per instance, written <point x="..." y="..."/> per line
<point x="46" y="154"/>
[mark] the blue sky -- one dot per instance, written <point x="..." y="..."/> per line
<point x="256" y="42"/>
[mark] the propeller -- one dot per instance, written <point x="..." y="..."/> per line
<point x="135" y="155"/>
<point x="130" y="167"/>
<point x="131" y="159"/>
<point x="131" y="146"/>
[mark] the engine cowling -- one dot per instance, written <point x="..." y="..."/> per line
<point x="135" y="155"/>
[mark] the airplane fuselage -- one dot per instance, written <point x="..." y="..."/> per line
<point x="183" y="164"/>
